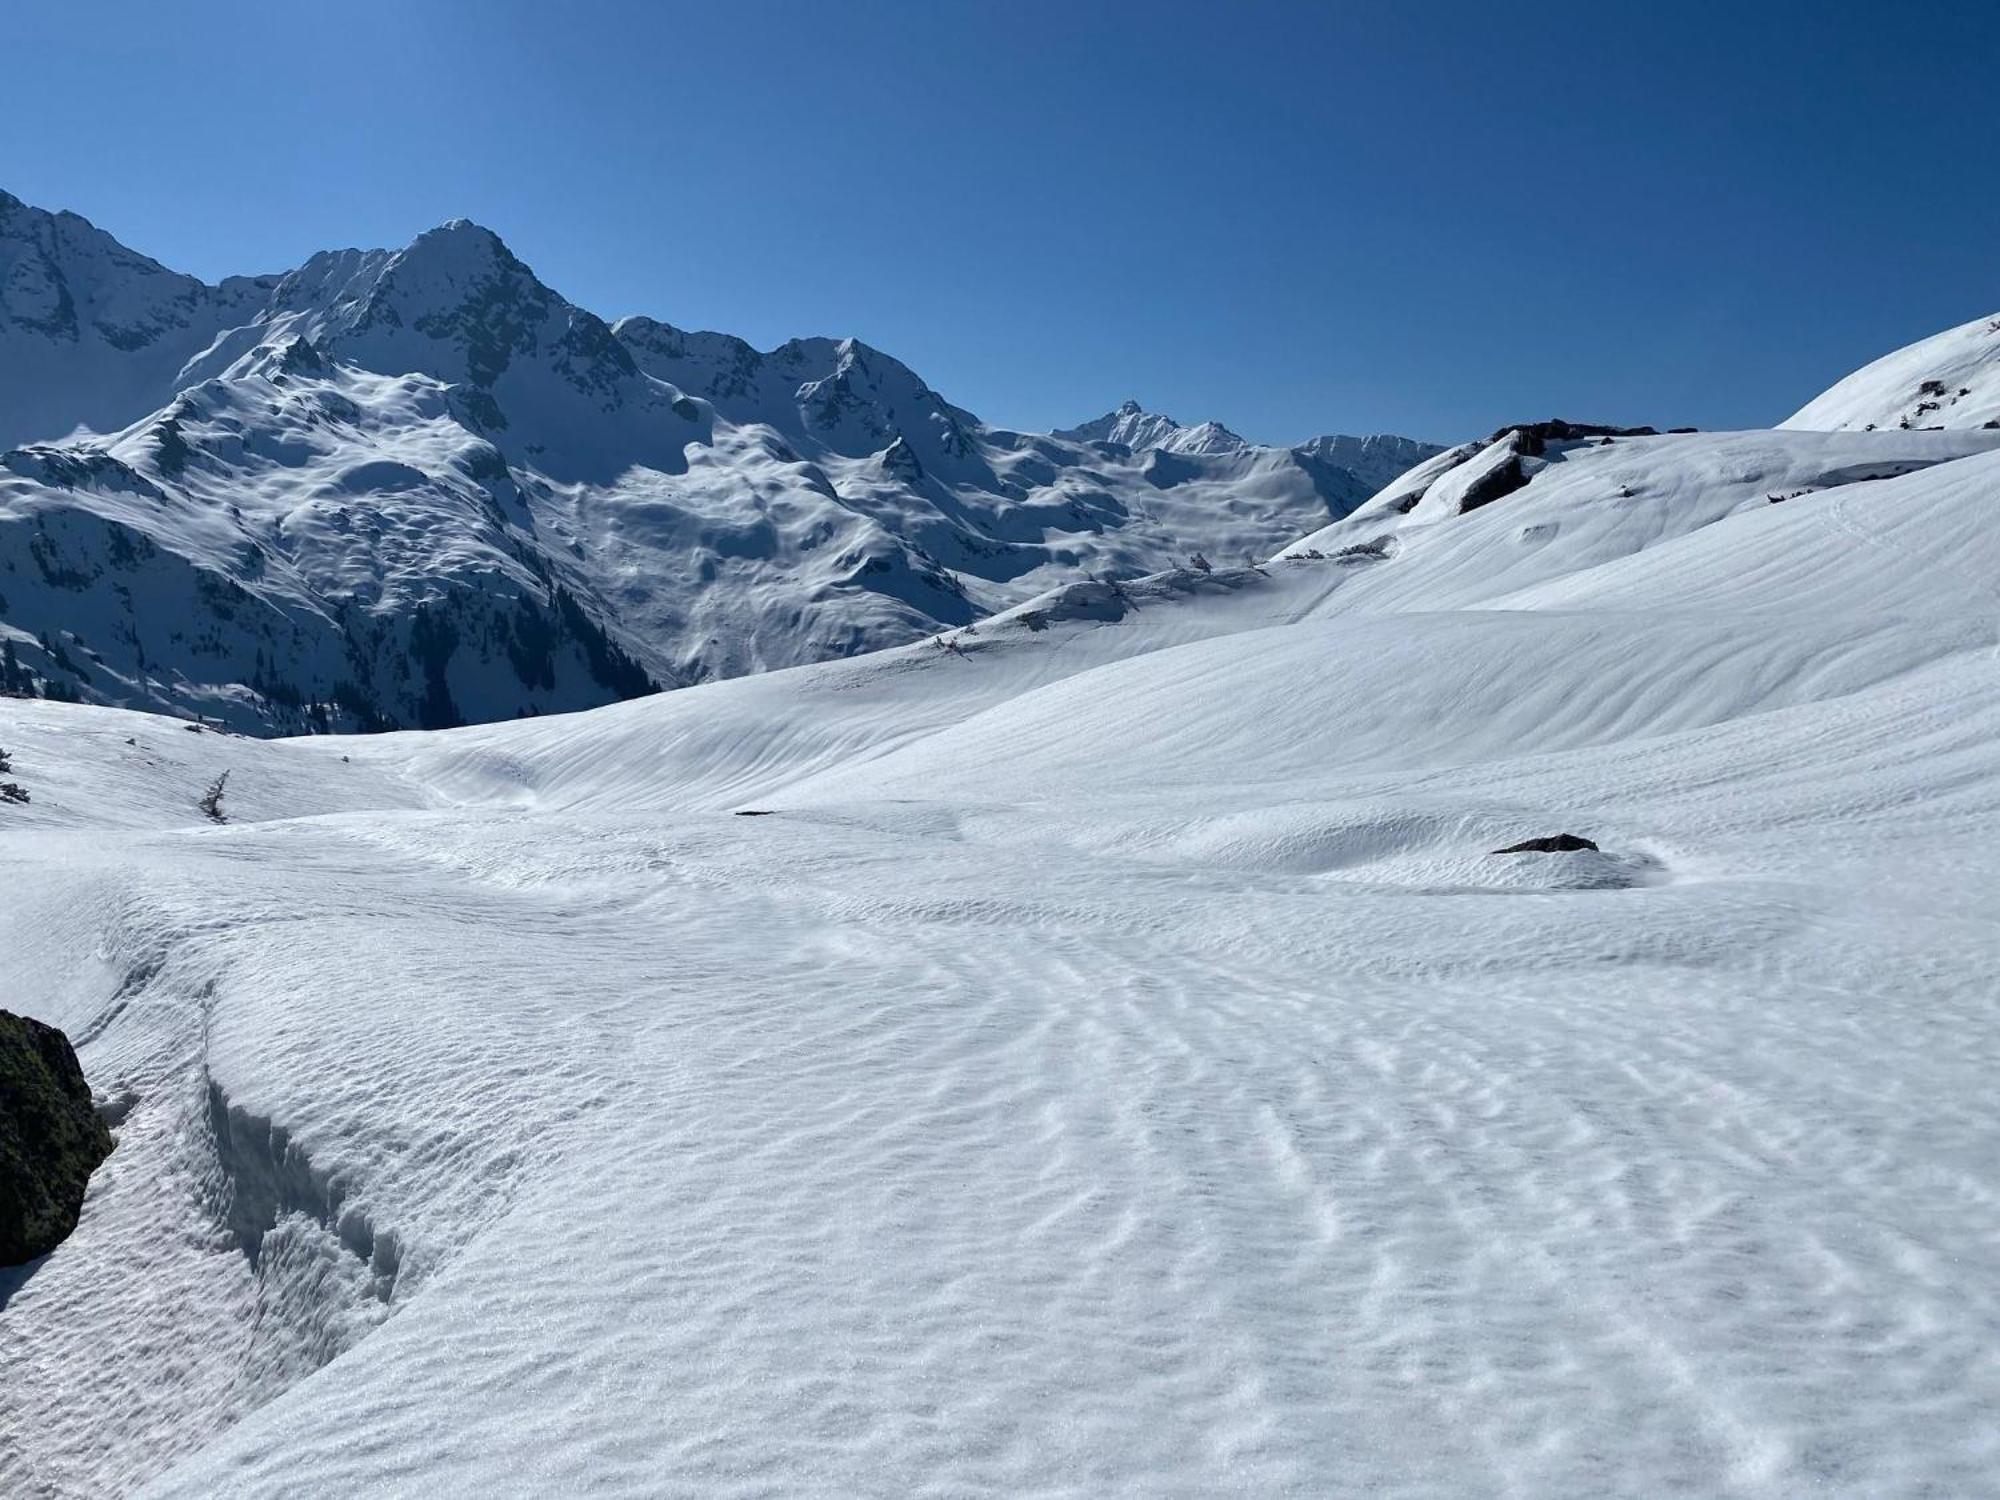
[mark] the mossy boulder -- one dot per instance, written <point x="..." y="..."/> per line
<point x="51" y="1139"/>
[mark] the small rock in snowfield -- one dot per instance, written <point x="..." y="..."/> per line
<point x="1554" y="843"/>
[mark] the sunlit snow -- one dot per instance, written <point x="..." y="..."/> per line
<point x="1114" y="1063"/>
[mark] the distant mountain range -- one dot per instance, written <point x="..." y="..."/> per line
<point x="419" y="488"/>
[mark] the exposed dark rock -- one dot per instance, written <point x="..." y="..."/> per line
<point x="1521" y="441"/>
<point x="51" y="1139"/>
<point x="1376" y="549"/>
<point x="900" y="460"/>
<point x="1555" y="843"/>
<point x="1537" y="435"/>
<point x="1500" y="481"/>
<point x="302" y="357"/>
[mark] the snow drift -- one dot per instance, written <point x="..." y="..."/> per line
<point x="1116" y="1061"/>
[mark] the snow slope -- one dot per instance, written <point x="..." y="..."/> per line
<point x="1950" y="380"/>
<point x="1114" y="1062"/>
<point x="419" y="487"/>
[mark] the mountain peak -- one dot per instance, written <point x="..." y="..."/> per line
<point x="458" y="242"/>
<point x="1132" y="426"/>
<point x="461" y="229"/>
<point x="432" y="437"/>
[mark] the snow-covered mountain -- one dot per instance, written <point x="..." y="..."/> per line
<point x="1128" y="1053"/>
<point x="1373" y="460"/>
<point x="1132" y="426"/>
<point x="1949" y="380"/>
<point x="420" y="488"/>
<point x="93" y="335"/>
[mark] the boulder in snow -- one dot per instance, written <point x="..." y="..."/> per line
<point x="51" y="1139"/>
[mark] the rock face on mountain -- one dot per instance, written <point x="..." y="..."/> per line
<point x="51" y="1140"/>
<point x="92" y="334"/>
<point x="420" y="488"/>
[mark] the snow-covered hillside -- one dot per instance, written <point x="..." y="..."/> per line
<point x="420" y="487"/>
<point x="1950" y="380"/>
<point x="1113" y="1059"/>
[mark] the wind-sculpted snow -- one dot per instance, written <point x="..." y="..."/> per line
<point x="1116" y="1061"/>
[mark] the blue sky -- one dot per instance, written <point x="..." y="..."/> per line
<point x="1426" y="219"/>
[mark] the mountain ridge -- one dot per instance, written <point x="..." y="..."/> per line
<point x="419" y="486"/>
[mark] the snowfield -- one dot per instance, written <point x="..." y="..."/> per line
<point x="1114" y="1061"/>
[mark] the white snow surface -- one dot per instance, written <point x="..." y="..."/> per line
<point x="1949" y="380"/>
<point x="1115" y="1063"/>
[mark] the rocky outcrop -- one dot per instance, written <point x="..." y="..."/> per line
<point x="51" y="1139"/>
<point x="1536" y="436"/>
<point x="1471" y="476"/>
<point x="1500" y="468"/>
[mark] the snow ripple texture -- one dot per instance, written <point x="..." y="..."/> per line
<point x="1116" y="1064"/>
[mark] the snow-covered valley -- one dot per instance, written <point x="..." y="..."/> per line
<point x="1094" y="1050"/>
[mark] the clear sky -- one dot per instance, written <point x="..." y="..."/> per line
<point x="1292" y="218"/>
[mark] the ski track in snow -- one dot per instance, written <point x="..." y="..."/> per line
<point x="1116" y="1064"/>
